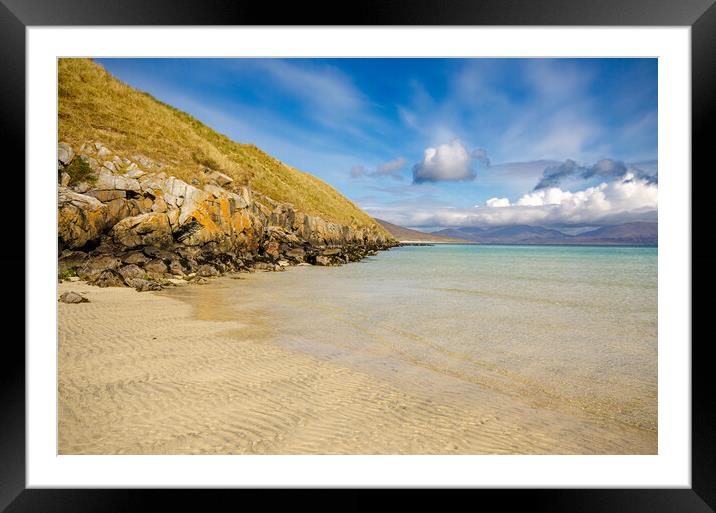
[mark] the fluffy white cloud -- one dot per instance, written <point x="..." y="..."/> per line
<point x="625" y="199"/>
<point x="447" y="162"/>
<point x="498" y="202"/>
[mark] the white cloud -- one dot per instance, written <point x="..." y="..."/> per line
<point x="625" y="199"/>
<point x="542" y="197"/>
<point x="447" y="162"/>
<point x="498" y="202"/>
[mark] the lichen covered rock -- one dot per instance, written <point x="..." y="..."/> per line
<point x="151" y="224"/>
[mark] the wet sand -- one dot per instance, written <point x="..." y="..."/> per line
<point x="183" y="372"/>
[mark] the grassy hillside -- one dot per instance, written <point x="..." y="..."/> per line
<point x="406" y="234"/>
<point x="94" y="106"/>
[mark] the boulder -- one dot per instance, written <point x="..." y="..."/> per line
<point x="80" y="218"/>
<point x="106" y="278"/>
<point x="131" y="272"/>
<point x="177" y="282"/>
<point x="220" y="179"/>
<point x="95" y="265"/>
<point x="323" y="260"/>
<point x="176" y="268"/>
<point x="298" y="254"/>
<point x="106" y="195"/>
<point x="145" y="229"/>
<point x="155" y="252"/>
<point x="106" y="180"/>
<point x="142" y="285"/>
<point x="159" y="205"/>
<point x="73" y="297"/>
<point x="133" y="172"/>
<point x="156" y="266"/>
<point x="207" y="270"/>
<point x="272" y="249"/>
<point x="135" y="257"/>
<point x="64" y="153"/>
<point x="71" y="260"/>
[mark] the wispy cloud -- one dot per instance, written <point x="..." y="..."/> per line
<point x="392" y="169"/>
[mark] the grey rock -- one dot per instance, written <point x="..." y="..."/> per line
<point x="207" y="270"/>
<point x="106" y="195"/>
<point x="65" y="153"/>
<point x="107" y="278"/>
<point x="71" y="260"/>
<point x="134" y="172"/>
<point x="323" y="260"/>
<point x="81" y="187"/>
<point x="176" y="268"/>
<point x="96" y="265"/>
<point x="156" y="266"/>
<point x="296" y="254"/>
<point x="155" y="252"/>
<point x="131" y="272"/>
<point x="142" y="285"/>
<point x="177" y="282"/>
<point x="102" y="151"/>
<point x="73" y="297"/>
<point x="135" y="257"/>
<point x="220" y="178"/>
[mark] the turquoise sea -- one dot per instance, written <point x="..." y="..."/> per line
<point x="560" y="329"/>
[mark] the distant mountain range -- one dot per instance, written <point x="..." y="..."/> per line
<point x="408" y="235"/>
<point x="636" y="234"/>
<point x="639" y="234"/>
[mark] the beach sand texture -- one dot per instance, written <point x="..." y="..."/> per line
<point x="146" y="373"/>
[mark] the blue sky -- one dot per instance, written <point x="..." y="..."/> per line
<point x="439" y="142"/>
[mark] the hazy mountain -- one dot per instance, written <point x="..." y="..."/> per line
<point x="506" y="234"/>
<point x="406" y="234"/>
<point x="639" y="233"/>
<point x="629" y="233"/>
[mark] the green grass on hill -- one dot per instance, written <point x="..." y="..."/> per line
<point x="95" y="106"/>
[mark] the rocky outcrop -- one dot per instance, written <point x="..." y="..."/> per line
<point x="131" y="224"/>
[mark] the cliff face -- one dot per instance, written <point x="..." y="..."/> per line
<point x="124" y="221"/>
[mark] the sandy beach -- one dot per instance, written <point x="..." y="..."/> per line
<point x="180" y="372"/>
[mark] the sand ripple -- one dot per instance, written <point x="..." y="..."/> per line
<point x="139" y="374"/>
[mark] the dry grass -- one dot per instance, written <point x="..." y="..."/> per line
<point x="94" y="106"/>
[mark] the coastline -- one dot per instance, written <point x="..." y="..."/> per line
<point x="174" y="372"/>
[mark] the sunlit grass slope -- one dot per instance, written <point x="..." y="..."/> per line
<point x="95" y="106"/>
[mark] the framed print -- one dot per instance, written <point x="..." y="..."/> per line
<point x="411" y="249"/>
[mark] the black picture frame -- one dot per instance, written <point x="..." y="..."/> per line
<point x="700" y="15"/>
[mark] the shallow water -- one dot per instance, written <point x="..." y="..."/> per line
<point x="559" y="335"/>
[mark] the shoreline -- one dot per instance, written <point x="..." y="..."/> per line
<point x="158" y="373"/>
